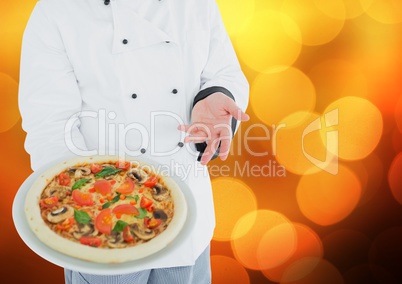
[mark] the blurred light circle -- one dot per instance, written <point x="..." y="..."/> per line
<point x="271" y="4"/>
<point x="353" y="8"/>
<point x="370" y="172"/>
<point x="276" y="95"/>
<point x="295" y="148"/>
<point x="232" y="199"/>
<point x="276" y="246"/>
<point x="395" y="178"/>
<point x="332" y="8"/>
<point x="234" y="14"/>
<point x="250" y="242"/>
<point x="308" y="245"/>
<point x="324" y="272"/>
<point x="360" y="127"/>
<point x="397" y="140"/>
<point x="384" y="11"/>
<point x="14" y="18"/>
<point x="9" y="102"/>
<point x="228" y="270"/>
<point x="269" y="41"/>
<point x="327" y="199"/>
<point x="336" y="78"/>
<point x="316" y="27"/>
<point x="398" y="114"/>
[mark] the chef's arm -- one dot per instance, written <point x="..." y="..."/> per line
<point x="222" y="72"/>
<point x="48" y="92"/>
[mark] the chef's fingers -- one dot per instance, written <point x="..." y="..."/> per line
<point x="225" y="139"/>
<point x="236" y="112"/>
<point x="212" y="146"/>
<point x="186" y="128"/>
<point x="200" y="136"/>
<point x="193" y="128"/>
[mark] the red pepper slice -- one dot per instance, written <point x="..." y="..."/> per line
<point x="145" y="202"/>
<point x="49" y="202"/>
<point x="151" y="181"/>
<point x="127" y="235"/>
<point x="64" y="179"/>
<point x="91" y="241"/>
<point x="152" y="223"/>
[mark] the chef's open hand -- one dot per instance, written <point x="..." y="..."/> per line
<point x="211" y="123"/>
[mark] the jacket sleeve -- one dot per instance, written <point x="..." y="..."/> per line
<point x="48" y="92"/>
<point x="222" y="72"/>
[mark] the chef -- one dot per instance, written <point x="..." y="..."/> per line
<point x="136" y="78"/>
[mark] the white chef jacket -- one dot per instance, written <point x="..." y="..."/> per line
<point x="101" y="78"/>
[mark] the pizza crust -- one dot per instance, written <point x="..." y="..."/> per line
<point x="100" y="255"/>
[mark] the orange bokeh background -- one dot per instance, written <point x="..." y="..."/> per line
<point x="281" y="217"/>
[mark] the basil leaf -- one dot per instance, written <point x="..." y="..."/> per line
<point x="106" y="205"/>
<point x="136" y="197"/>
<point x="81" y="217"/>
<point x="116" y="198"/>
<point x="107" y="171"/>
<point x="79" y="183"/>
<point x="143" y="213"/>
<point x="120" y="225"/>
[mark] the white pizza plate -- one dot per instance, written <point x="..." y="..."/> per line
<point x="62" y="260"/>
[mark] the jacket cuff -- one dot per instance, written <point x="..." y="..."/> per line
<point x="202" y="95"/>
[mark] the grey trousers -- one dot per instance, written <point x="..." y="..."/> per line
<point x="199" y="273"/>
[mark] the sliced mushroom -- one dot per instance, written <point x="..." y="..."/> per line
<point x="115" y="240"/>
<point x="160" y="214"/>
<point x="58" y="190"/>
<point x="108" y="166"/>
<point x="159" y="192"/>
<point x="80" y="171"/>
<point x="142" y="232"/>
<point x="85" y="230"/>
<point x="138" y="175"/>
<point x="60" y="214"/>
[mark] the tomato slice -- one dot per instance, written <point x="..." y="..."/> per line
<point x="151" y="181"/>
<point x="145" y="202"/>
<point x="91" y="241"/>
<point x="125" y="209"/>
<point x="103" y="187"/>
<point x="127" y="235"/>
<point x="152" y="223"/>
<point x="96" y="168"/>
<point x="127" y="187"/>
<point x="66" y="224"/>
<point x="83" y="199"/>
<point x="64" y="179"/>
<point x="122" y="165"/>
<point x="49" y="202"/>
<point x="103" y="222"/>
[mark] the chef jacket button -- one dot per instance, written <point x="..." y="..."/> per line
<point x="174" y="91"/>
<point x="180" y="144"/>
<point x="167" y="41"/>
<point x="134" y="96"/>
<point x="143" y="151"/>
<point x="125" y="41"/>
<point x="107" y="2"/>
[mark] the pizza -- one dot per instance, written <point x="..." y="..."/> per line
<point x="97" y="209"/>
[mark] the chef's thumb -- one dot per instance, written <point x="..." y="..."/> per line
<point x="237" y="113"/>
